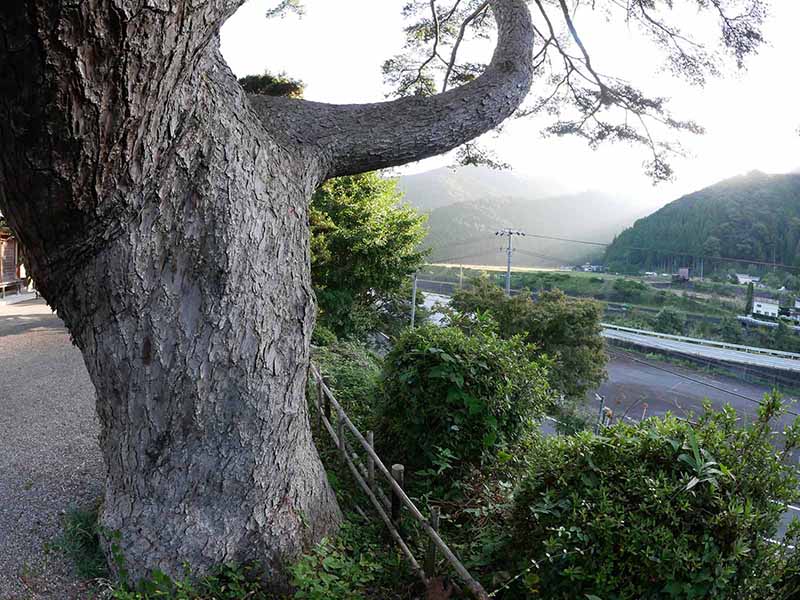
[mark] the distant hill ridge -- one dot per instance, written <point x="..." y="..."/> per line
<point x="472" y="203"/>
<point x="754" y="216"/>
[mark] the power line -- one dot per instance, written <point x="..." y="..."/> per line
<point x="465" y="242"/>
<point x="668" y="251"/>
<point x="544" y="256"/>
<point x="451" y="259"/>
<point x="641" y="249"/>
<point x="560" y="239"/>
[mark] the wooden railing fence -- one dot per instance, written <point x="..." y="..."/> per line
<point x="388" y="507"/>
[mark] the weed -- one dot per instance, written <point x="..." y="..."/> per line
<point x="81" y="543"/>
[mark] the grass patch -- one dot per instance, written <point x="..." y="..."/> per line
<point x="81" y="543"/>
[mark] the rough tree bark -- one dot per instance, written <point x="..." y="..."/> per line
<point x="164" y="215"/>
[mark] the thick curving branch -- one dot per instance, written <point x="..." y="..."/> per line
<point x="363" y="137"/>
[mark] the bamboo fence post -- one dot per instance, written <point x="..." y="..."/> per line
<point x="430" y="555"/>
<point x="320" y="395"/>
<point x="371" y="461"/>
<point x="398" y="474"/>
<point x="342" y="444"/>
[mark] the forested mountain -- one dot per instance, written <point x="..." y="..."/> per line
<point x="469" y="205"/>
<point x="754" y="216"/>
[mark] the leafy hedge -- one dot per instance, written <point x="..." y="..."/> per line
<point x="353" y="373"/>
<point x="565" y="329"/>
<point x="660" y="510"/>
<point x="445" y="391"/>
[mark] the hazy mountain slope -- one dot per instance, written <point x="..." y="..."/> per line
<point x="445" y="186"/>
<point x="467" y="228"/>
<point x="754" y="216"/>
<point x="469" y="205"/>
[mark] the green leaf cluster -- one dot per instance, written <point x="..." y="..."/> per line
<point x="226" y="582"/>
<point x="273" y="85"/>
<point x="668" y="320"/>
<point x="665" y="509"/>
<point x="567" y="330"/>
<point x="353" y="373"/>
<point x="464" y="395"/>
<point x="364" y="246"/>
<point x="347" y="566"/>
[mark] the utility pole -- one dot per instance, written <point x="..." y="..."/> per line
<point x="509" y="233"/>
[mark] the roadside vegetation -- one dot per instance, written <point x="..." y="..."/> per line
<point x="598" y="286"/>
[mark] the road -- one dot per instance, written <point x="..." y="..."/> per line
<point x="708" y="352"/>
<point x="672" y="346"/>
<point x="634" y="381"/>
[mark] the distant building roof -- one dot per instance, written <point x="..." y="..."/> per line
<point x="745" y="278"/>
<point x="765" y="301"/>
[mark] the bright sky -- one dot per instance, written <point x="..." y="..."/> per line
<point x="751" y="117"/>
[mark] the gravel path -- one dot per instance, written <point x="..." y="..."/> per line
<point x="49" y="457"/>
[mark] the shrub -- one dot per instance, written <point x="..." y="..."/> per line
<point x="323" y="336"/>
<point x="628" y="290"/>
<point x="355" y="564"/>
<point x="659" y="510"/>
<point x="565" y="329"/>
<point x="463" y="395"/>
<point x="669" y="320"/>
<point x="353" y="374"/>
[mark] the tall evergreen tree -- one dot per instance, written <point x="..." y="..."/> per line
<point x="748" y="306"/>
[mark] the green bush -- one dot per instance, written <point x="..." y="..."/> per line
<point x="668" y="320"/>
<point x="323" y="336"/>
<point x="629" y="290"/>
<point x="660" y="510"/>
<point x="463" y="395"/>
<point x="567" y="330"/>
<point x="354" y="565"/>
<point x="353" y="373"/>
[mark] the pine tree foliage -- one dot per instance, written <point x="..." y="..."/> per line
<point x="753" y="217"/>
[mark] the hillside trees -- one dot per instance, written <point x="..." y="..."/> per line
<point x="164" y="213"/>
<point x="752" y="217"/>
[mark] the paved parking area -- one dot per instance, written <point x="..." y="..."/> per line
<point x="49" y="457"/>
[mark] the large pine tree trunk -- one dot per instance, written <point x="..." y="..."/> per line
<point x="164" y="215"/>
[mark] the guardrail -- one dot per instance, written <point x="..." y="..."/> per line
<point x="387" y="508"/>
<point x="702" y="342"/>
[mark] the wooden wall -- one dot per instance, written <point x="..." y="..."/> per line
<point x="8" y="260"/>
